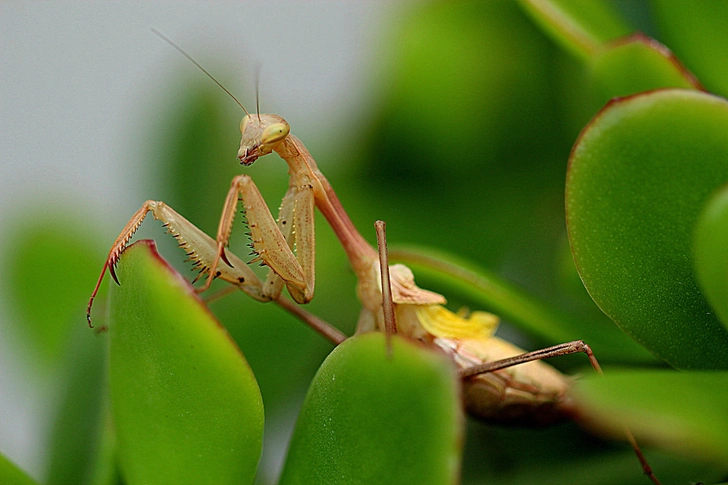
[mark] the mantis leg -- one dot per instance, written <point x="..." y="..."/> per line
<point x="329" y="332"/>
<point x="272" y="245"/>
<point x="573" y="347"/>
<point x="295" y="221"/>
<point x="274" y="283"/>
<point x="326" y="330"/>
<point x="200" y="248"/>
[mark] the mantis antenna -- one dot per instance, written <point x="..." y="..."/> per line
<point x="199" y="66"/>
<point x="257" y="88"/>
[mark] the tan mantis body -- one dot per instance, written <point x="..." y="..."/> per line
<point x="532" y="393"/>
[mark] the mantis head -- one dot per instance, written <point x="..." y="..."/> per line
<point x="261" y="134"/>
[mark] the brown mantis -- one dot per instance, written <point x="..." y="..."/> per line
<point x="497" y="386"/>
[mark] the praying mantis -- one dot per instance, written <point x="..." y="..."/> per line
<point x="501" y="383"/>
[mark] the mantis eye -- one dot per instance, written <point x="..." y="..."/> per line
<point x="275" y="133"/>
<point x="243" y="124"/>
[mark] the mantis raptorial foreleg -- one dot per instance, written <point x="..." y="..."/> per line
<point x="201" y="249"/>
<point x="270" y="243"/>
<point x="287" y="246"/>
<point x="273" y="282"/>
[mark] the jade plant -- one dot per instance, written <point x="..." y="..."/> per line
<point x="497" y="110"/>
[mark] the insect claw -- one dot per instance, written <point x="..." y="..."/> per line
<point x="223" y="256"/>
<point x="112" y="270"/>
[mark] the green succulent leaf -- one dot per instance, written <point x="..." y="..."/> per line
<point x="76" y="442"/>
<point x="10" y="474"/>
<point x="375" y="416"/>
<point x="639" y="175"/>
<point x="49" y="267"/>
<point x="711" y="252"/>
<point x="185" y="403"/>
<point x="681" y="411"/>
<point x="580" y="27"/>
<point x="696" y="32"/>
<point x="638" y="63"/>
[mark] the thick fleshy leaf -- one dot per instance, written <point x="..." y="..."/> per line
<point x="12" y="475"/>
<point x="76" y="449"/>
<point x="711" y="248"/>
<point x="580" y="27"/>
<point x="185" y="404"/>
<point x="696" y="32"/>
<point x="375" y="417"/>
<point x="639" y="175"/>
<point x="681" y="411"/>
<point x="637" y="64"/>
<point x="49" y="260"/>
